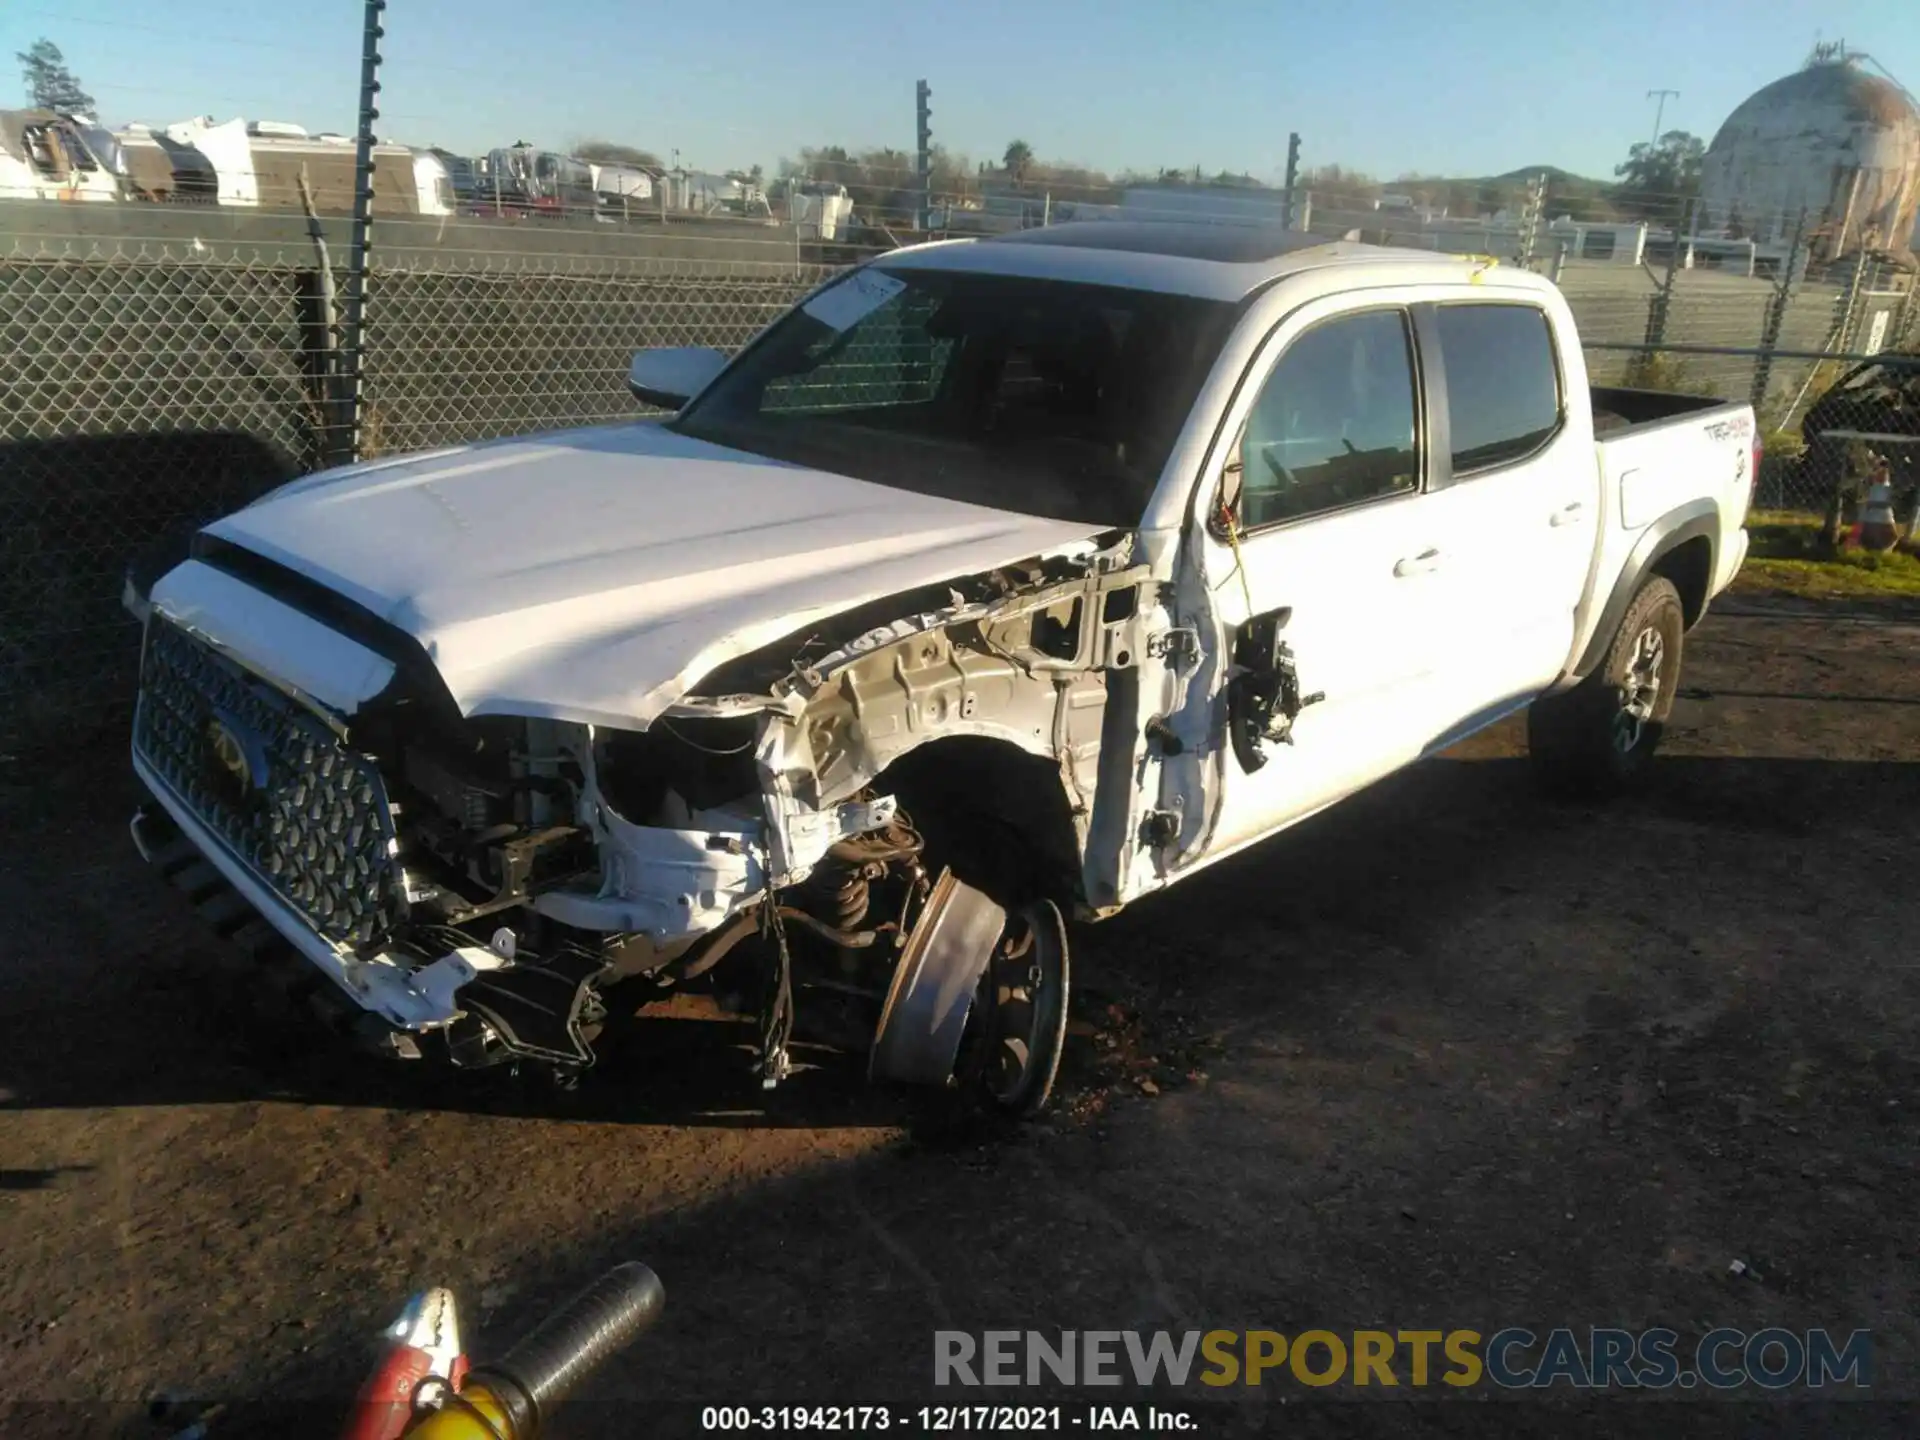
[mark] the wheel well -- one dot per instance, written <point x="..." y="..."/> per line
<point x="1689" y="565"/>
<point x="997" y="814"/>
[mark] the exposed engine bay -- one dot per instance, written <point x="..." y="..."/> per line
<point x="879" y="822"/>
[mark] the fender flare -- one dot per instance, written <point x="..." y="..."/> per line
<point x="1697" y="519"/>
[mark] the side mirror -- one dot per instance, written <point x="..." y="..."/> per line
<point x="671" y="377"/>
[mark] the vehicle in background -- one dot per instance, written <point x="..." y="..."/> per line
<point x="622" y="189"/>
<point x="161" y="169"/>
<point x="702" y="193"/>
<point x="1873" y="409"/>
<point x="995" y="583"/>
<point x="258" y="164"/>
<point x="44" y="156"/>
<point x="463" y="176"/>
<point x="820" y="210"/>
<point x="525" y="178"/>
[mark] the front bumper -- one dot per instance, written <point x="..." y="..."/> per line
<point x="407" y="996"/>
<point x="235" y="919"/>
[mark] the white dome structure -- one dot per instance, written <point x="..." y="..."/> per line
<point x="1830" y="139"/>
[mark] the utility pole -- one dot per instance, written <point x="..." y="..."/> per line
<point x="1661" y="109"/>
<point x="360" y="240"/>
<point x="923" y="161"/>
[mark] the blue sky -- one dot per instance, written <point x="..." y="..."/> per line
<point x="1396" y="86"/>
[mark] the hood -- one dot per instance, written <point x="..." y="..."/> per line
<point x="596" y="575"/>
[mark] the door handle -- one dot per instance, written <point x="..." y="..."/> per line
<point x="1419" y="564"/>
<point x="1568" y="515"/>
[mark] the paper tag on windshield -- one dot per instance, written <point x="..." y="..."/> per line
<point x="844" y="305"/>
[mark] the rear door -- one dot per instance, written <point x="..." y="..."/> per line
<point x="1516" y="504"/>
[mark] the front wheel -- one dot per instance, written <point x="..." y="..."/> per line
<point x="1598" y="737"/>
<point x="1022" y="1009"/>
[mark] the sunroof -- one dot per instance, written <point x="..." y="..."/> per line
<point x="1233" y="244"/>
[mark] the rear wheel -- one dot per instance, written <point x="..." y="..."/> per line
<point x="1598" y="737"/>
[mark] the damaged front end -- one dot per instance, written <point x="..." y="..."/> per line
<point x="881" y="820"/>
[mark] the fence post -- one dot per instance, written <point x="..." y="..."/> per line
<point x="1292" y="181"/>
<point x="336" y="431"/>
<point x="357" y="246"/>
<point x="1850" y="304"/>
<point x="1530" y="219"/>
<point x="923" y="155"/>
<point x="1776" y="316"/>
<point x="1903" y="316"/>
<point x="1662" y="302"/>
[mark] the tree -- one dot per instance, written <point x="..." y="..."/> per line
<point x="1334" y="187"/>
<point x="1657" y="180"/>
<point x="606" y="152"/>
<point x="1018" y="160"/>
<point x="50" y="85"/>
<point x="950" y="174"/>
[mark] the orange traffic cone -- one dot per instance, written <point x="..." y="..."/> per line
<point x="1878" y="529"/>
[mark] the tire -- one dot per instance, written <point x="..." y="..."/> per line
<point x="1597" y="739"/>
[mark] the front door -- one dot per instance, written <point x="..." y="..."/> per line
<point x="1328" y="548"/>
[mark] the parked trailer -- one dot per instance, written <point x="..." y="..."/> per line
<point x="45" y="156"/>
<point x="258" y="164"/>
<point x="618" y="185"/>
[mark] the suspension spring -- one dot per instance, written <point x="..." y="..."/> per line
<point x="850" y="900"/>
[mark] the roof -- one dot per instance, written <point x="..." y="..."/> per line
<point x="1210" y="261"/>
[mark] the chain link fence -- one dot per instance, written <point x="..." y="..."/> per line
<point x="160" y="368"/>
<point x="151" y="382"/>
<point x="1828" y="364"/>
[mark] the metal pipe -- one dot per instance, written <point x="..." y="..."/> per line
<point x="1682" y="349"/>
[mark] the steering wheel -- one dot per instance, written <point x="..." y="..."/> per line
<point x="1280" y="472"/>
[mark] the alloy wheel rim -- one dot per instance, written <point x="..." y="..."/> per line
<point x="1639" y="689"/>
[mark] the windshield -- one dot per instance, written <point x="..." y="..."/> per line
<point x="1046" y="398"/>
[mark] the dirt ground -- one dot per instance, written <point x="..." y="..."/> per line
<point x="1448" y="1056"/>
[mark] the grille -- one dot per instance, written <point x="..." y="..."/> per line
<point x="285" y="795"/>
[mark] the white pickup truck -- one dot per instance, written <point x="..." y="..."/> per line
<point x="998" y="583"/>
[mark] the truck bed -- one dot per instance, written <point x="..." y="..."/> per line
<point x="1660" y="453"/>
<point x="1617" y="409"/>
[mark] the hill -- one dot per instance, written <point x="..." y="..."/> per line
<point x="1555" y="177"/>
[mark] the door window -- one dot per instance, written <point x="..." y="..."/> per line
<point x="1503" y="383"/>
<point x="1335" y="424"/>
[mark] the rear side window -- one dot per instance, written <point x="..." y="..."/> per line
<point x="1503" y="383"/>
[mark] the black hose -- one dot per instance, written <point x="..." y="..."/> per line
<point x="850" y="939"/>
<point x="551" y="1361"/>
<point x="747" y="922"/>
<point x="719" y="943"/>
